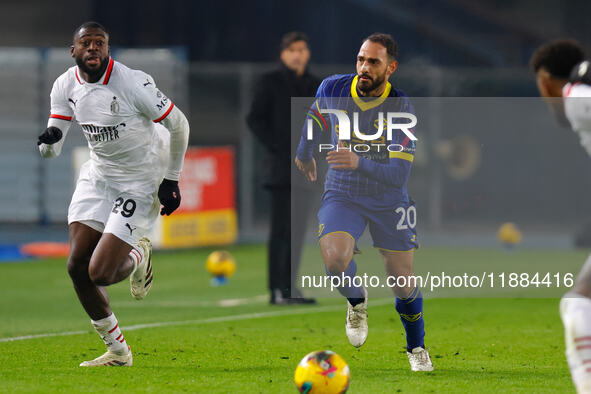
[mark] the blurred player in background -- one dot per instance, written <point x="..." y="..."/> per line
<point x="369" y="189"/>
<point x="565" y="80"/>
<point x="269" y="120"/>
<point x="134" y="167"/>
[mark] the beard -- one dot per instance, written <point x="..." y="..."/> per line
<point x="367" y="87"/>
<point x="95" y="72"/>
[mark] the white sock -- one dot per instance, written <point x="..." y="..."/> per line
<point x="108" y="329"/>
<point x="575" y="311"/>
<point x="136" y="256"/>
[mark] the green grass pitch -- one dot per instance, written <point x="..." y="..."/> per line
<point x="194" y="343"/>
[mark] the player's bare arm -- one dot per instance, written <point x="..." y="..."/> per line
<point x="308" y="168"/>
<point x="343" y="159"/>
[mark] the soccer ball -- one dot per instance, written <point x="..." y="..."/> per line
<point x="221" y="265"/>
<point x="322" y="372"/>
<point x="509" y="234"/>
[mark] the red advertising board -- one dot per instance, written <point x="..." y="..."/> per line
<point x="207" y="215"/>
<point x="207" y="180"/>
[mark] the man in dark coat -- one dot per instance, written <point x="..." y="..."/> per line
<point x="269" y="120"/>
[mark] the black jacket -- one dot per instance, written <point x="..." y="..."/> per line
<point x="269" y="120"/>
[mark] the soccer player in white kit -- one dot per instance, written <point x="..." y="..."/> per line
<point x="134" y="167"/>
<point x="564" y="78"/>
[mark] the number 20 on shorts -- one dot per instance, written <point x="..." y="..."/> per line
<point x="408" y="215"/>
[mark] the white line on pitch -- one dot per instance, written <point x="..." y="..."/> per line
<point x="218" y="319"/>
<point x="260" y="299"/>
<point x="55" y="334"/>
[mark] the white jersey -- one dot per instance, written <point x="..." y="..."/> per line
<point x="577" y="107"/>
<point x="119" y="115"/>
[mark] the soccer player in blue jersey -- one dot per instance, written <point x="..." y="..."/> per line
<point x="367" y="187"/>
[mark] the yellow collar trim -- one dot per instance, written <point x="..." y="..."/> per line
<point x="365" y="105"/>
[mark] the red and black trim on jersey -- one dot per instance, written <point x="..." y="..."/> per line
<point x="165" y="114"/>
<point x="106" y="77"/>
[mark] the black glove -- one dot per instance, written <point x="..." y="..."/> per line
<point x="169" y="196"/>
<point x="51" y="135"/>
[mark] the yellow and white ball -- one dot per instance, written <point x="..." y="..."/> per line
<point x="322" y="372"/>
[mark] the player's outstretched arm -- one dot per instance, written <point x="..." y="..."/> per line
<point x="169" y="192"/>
<point x="50" y="142"/>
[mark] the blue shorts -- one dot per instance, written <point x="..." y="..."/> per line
<point x="392" y="222"/>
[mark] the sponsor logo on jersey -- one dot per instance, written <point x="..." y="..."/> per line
<point x="102" y="133"/>
<point x="163" y="103"/>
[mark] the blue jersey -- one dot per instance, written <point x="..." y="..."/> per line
<point x="380" y="170"/>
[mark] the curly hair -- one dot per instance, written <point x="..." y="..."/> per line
<point x="558" y="57"/>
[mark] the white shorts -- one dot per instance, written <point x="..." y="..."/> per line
<point x="128" y="214"/>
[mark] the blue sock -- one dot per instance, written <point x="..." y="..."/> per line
<point x="411" y="315"/>
<point x="350" y="291"/>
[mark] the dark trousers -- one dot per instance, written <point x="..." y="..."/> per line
<point x="288" y="228"/>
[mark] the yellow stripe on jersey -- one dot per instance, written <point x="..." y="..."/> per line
<point x="365" y="105"/>
<point x="402" y="155"/>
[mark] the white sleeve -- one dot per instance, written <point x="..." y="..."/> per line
<point x="60" y="108"/>
<point x="177" y="124"/>
<point x="156" y="106"/>
<point x="149" y="100"/>
<point x="54" y="150"/>
<point x="577" y="107"/>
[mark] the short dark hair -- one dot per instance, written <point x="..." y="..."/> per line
<point x="90" y="24"/>
<point x="291" y="37"/>
<point x="558" y="57"/>
<point x="386" y="41"/>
